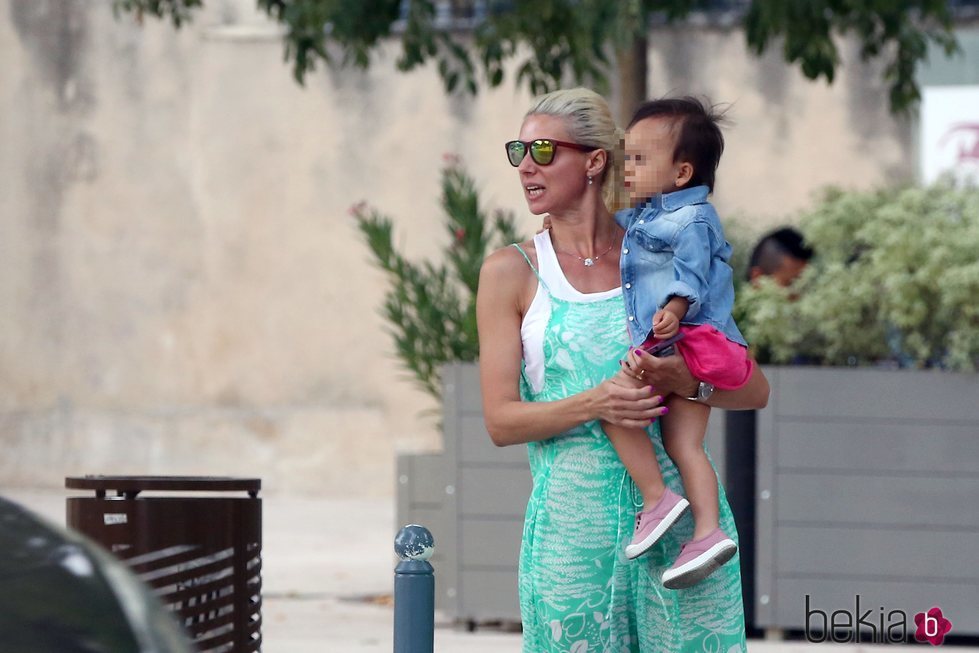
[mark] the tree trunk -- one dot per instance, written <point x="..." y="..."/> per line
<point x="633" y="69"/>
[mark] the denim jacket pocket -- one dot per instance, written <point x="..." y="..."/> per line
<point x="653" y="252"/>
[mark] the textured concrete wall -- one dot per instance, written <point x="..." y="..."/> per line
<point x="788" y="136"/>
<point x="182" y="290"/>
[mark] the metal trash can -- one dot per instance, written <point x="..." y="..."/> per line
<point x="200" y="554"/>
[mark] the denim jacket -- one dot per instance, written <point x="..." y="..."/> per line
<point x="674" y="246"/>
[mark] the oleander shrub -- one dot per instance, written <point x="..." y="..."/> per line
<point x="430" y="306"/>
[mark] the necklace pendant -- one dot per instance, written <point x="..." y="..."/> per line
<point x="589" y="262"/>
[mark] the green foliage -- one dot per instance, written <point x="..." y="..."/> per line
<point x="429" y="308"/>
<point x="895" y="279"/>
<point x="178" y="11"/>
<point x="562" y="40"/>
<point x="899" y="31"/>
<point x="742" y="237"/>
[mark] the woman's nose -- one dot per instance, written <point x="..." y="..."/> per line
<point x="526" y="164"/>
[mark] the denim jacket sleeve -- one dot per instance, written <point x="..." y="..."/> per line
<point x="691" y="265"/>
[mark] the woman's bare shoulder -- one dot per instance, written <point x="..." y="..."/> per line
<point x="507" y="279"/>
<point x="508" y="263"/>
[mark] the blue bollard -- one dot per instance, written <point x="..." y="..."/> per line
<point x="414" y="591"/>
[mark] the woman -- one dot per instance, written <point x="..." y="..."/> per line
<point x="552" y="332"/>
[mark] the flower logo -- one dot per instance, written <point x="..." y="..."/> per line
<point x="932" y="626"/>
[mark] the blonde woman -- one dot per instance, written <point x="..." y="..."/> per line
<point x="552" y="329"/>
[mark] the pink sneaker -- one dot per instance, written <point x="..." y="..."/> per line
<point x="699" y="559"/>
<point x="651" y="524"/>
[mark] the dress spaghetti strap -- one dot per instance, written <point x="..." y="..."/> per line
<point x="527" y="258"/>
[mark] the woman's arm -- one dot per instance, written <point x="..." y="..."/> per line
<point x="670" y="374"/>
<point x="504" y="276"/>
<point x="751" y="396"/>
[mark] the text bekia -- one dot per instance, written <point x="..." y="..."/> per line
<point x="876" y="625"/>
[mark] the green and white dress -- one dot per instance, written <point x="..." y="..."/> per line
<point x="578" y="592"/>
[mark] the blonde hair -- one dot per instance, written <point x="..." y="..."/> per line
<point x="590" y="122"/>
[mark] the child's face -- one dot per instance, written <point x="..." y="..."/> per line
<point x="649" y="166"/>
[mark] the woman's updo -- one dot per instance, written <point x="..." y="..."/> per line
<point x="589" y="122"/>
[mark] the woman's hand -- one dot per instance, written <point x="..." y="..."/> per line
<point x="624" y="405"/>
<point x="668" y="374"/>
<point x="546" y="224"/>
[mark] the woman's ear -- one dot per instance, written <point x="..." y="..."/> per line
<point x="596" y="163"/>
<point x="684" y="173"/>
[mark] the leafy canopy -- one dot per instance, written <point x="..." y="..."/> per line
<point x="555" y="41"/>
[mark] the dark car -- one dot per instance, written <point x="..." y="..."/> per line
<point x="61" y="593"/>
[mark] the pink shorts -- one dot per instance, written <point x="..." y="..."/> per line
<point x="713" y="358"/>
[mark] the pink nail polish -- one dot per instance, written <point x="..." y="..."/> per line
<point x="638" y="352"/>
<point x="665" y="410"/>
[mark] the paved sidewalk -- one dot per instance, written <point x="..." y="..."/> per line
<point x="328" y="574"/>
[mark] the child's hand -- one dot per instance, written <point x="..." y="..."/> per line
<point x="665" y="324"/>
<point x="546" y="224"/>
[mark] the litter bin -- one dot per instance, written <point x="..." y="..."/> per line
<point x="200" y="553"/>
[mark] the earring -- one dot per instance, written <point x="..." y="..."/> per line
<point x="589" y="180"/>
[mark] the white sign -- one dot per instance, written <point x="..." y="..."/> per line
<point x="950" y="132"/>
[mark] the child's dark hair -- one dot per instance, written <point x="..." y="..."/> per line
<point x="698" y="141"/>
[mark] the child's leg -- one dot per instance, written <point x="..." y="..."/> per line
<point x="661" y="508"/>
<point x="636" y="452"/>
<point x="683" y="437"/>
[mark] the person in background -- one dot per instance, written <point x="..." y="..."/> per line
<point x="780" y="254"/>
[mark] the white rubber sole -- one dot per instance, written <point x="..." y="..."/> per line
<point x="701" y="567"/>
<point x="633" y="551"/>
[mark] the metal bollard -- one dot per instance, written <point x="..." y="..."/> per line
<point x="414" y="591"/>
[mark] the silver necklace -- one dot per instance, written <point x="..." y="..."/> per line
<point x="589" y="261"/>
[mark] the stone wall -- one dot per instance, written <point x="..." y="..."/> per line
<point x="182" y="288"/>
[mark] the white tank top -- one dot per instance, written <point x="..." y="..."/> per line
<point x="535" y="320"/>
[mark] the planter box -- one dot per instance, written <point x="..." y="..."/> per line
<point x="868" y="485"/>
<point x="473" y="497"/>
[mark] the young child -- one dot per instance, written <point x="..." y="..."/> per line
<point x="676" y="279"/>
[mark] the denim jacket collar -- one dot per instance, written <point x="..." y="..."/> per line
<point x="677" y="199"/>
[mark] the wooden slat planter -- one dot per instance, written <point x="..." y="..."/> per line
<point x="868" y="484"/>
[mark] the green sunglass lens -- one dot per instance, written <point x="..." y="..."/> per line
<point x="515" y="152"/>
<point x="542" y="152"/>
